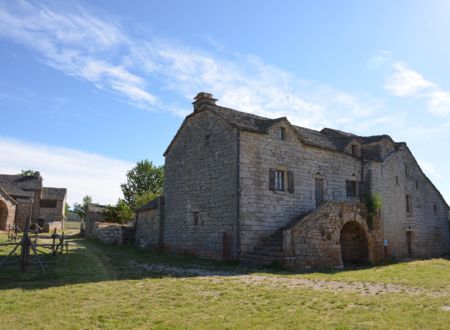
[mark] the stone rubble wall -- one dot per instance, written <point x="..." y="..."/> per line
<point x="112" y="233"/>
<point x="200" y="185"/>
<point x="10" y="212"/>
<point x="314" y="240"/>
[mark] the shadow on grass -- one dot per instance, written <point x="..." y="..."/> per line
<point x="91" y="261"/>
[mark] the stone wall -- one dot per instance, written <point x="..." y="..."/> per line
<point x="108" y="233"/>
<point x="148" y="226"/>
<point x="263" y="211"/>
<point x="200" y="189"/>
<point x="315" y="240"/>
<point x="7" y="212"/>
<point x="23" y="211"/>
<point x="52" y="214"/>
<point x="427" y="223"/>
<point x="94" y="214"/>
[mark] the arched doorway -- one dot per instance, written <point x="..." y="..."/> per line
<point x="3" y="215"/>
<point x="354" y="245"/>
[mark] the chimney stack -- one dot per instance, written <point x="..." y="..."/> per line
<point x="202" y="99"/>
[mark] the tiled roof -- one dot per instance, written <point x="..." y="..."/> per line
<point x="153" y="204"/>
<point x="20" y="185"/>
<point x="326" y="138"/>
<point x="54" y="193"/>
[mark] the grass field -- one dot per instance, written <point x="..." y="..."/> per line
<point x="123" y="287"/>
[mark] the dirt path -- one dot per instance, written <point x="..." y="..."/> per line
<point x="364" y="288"/>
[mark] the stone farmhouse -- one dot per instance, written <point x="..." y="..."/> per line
<point x="22" y="197"/>
<point x="243" y="187"/>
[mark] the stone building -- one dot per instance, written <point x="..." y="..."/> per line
<point x="94" y="215"/>
<point x="243" y="187"/>
<point x="22" y="197"/>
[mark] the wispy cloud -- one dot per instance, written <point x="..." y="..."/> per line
<point x="99" y="50"/>
<point x="405" y="82"/>
<point x="80" y="172"/>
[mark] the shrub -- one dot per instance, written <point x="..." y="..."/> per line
<point x="373" y="205"/>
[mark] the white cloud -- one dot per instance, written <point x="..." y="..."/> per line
<point x="80" y="172"/>
<point x="97" y="49"/>
<point x="439" y="103"/>
<point x="406" y="82"/>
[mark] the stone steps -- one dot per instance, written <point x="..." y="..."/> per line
<point x="269" y="250"/>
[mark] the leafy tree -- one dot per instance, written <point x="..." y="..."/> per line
<point x="142" y="179"/>
<point x="119" y="213"/>
<point x="144" y="198"/>
<point x="30" y="173"/>
<point x="66" y="210"/>
<point x="81" y="209"/>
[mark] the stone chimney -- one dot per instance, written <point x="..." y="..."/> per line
<point x="203" y="99"/>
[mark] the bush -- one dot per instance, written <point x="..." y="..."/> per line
<point x="373" y="205"/>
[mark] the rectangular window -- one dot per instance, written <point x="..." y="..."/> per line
<point x="48" y="203"/>
<point x="408" y="204"/>
<point x="351" y="188"/>
<point x="195" y="218"/>
<point x="435" y="209"/>
<point x="353" y="150"/>
<point x="279" y="180"/>
<point x="282" y="133"/>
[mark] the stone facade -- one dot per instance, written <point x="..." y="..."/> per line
<point x="243" y="187"/>
<point x="317" y="240"/>
<point x="41" y="205"/>
<point x="111" y="233"/>
<point x="148" y="224"/>
<point x="7" y="210"/>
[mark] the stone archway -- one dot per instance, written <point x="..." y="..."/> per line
<point x="354" y="244"/>
<point x="3" y="215"/>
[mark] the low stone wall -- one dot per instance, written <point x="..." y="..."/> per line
<point x="50" y="226"/>
<point x="112" y="233"/>
<point x="316" y="240"/>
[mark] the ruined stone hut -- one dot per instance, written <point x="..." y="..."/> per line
<point x="23" y="197"/>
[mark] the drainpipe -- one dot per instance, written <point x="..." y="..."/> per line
<point x="238" y="193"/>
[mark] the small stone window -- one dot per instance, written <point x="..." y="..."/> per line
<point x="396" y="181"/>
<point x="435" y="210"/>
<point x="48" y="203"/>
<point x="195" y="218"/>
<point x="354" y="150"/>
<point x="279" y="180"/>
<point x="406" y="170"/>
<point x="417" y="185"/>
<point x="408" y="204"/>
<point x="282" y="133"/>
<point x="351" y="188"/>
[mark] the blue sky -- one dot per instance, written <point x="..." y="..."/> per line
<point x="89" y="88"/>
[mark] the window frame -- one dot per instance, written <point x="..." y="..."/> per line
<point x="280" y="178"/>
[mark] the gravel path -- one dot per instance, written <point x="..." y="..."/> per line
<point x="364" y="288"/>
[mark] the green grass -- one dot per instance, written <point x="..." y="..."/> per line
<point x="98" y="289"/>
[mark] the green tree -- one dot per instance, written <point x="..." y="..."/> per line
<point x="144" y="198"/>
<point x="81" y="209"/>
<point x="66" y="210"/>
<point x="142" y="179"/>
<point x="30" y="173"/>
<point x="119" y="213"/>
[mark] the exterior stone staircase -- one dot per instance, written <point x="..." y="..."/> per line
<point x="267" y="252"/>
